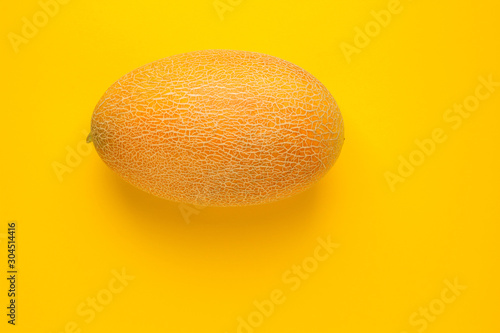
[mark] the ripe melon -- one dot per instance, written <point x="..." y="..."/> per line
<point x="218" y="128"/>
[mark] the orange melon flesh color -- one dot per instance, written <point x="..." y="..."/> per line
<point x="218" y="128"/>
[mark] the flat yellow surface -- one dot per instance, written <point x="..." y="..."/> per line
<point x="411" y="207"/>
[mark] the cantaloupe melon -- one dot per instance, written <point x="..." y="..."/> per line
<point x="219" y="128"/>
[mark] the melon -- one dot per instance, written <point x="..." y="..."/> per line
<point x="218" y="128"/>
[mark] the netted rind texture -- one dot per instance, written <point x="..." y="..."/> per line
<point x="219" y="128"/>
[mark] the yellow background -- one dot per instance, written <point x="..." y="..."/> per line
<point x="396" y="248"/>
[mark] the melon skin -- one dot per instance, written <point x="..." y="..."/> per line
<point x="219" y="128"/>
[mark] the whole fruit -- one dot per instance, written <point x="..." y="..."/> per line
<point x="218" y="128"/>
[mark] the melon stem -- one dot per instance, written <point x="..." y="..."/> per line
<point x="89" y="138"/>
